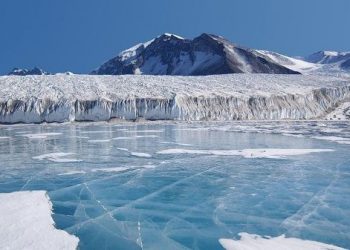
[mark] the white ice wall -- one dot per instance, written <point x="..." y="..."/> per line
<point x="231" y="97"/>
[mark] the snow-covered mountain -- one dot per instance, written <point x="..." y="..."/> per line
<point x="327" y="57"/>
<point x="298" y="65"/>
<point x="207" y="54"/>
<point x="333" y="59"/>
<point x="25" y="72"/>
<point x="319" y="62"/>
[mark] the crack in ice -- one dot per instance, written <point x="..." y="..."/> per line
<point x="297" y="220"/>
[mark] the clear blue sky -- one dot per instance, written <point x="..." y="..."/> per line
<point x="79" y="35"/>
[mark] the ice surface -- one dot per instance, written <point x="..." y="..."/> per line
<point x="56" y="157"/>
<point x="99" y="141"/>
<point x="40" y="135"/>
<point x="139" y="154"/>
<point x="134" y="137"/>
<point x="115" y="169"/>
<point x="256" y="242"/>
<point x="145" y="131"/>
<point x="63" y="98"/>
<point x="73" y="172"/>
<point x="334" y="138"/>
<point x="115" y="200"/>
<point x="26" y="223"/>
<point x="121" y="169"/>
<point x="248" y="153"/>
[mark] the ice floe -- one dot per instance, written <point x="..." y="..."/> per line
<point x="96" y="132"/>
<point x="123" y="149"/>
<point x="123" y="138"/>
<point x="99" y="141"/>
<point x="337" y="139"/>
<point x="109" y="170"/>
<point x="335" y="131"/>
<point x="134" y="137"/>
<point x="56" y="157"/>
<point x="275" y="153"/>
<point x="80" y="137"/>
<point x="26" y="223"/>
<point x="146" y="136"/>
<point x="256" y="242"/>
<point x="144" y="131"/>
<point x="73" y="172"/>
<point x="123" y="168"/>
<point x="40" y="135"/>
<point x="139" y="154"/>
<point x="176" y="143"/>
<point x="293" y="135"/>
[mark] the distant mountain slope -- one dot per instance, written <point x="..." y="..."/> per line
<point x="335" y="60"/>
<point x="327" y="57"/>
<point x="319" y="62"/>
<point x="25" y="72"/>
<point x="345" y="65"/>
<point x="291" y="63"/>
<point x="204" y="55"/>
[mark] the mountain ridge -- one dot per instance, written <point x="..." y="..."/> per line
<point x="206" y="54"/>
<point x="334" y="59"/>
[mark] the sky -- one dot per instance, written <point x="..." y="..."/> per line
<point x="79" y="35"/>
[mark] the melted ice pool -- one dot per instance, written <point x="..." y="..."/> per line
<point x="167" y="186"/>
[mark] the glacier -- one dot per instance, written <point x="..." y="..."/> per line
<point x="64" y="98"/>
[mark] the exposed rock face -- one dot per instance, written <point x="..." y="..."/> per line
<point x="346" y="65"/>
<point x="205" y="55"/>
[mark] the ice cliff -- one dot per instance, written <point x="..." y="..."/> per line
<point x="61" y="98"/>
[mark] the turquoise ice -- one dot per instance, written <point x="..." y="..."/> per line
<point x="111" y="186"/>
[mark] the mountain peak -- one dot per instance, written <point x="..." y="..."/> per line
<point x="207" y="54"/>
<point x="169" y="35"/>
<point x="207" y="36"/>
<point x="328" y="57"/>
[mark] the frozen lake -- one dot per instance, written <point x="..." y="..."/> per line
<point x="185" y="186"/>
